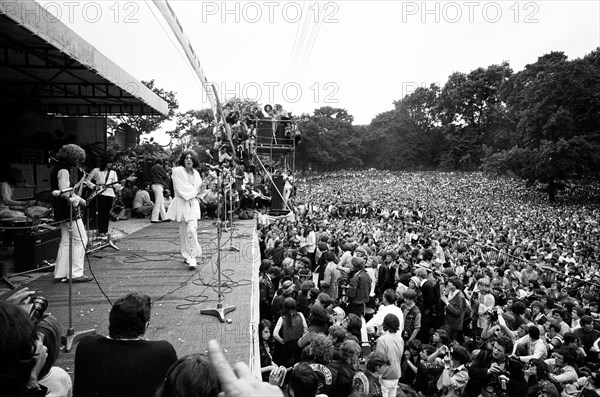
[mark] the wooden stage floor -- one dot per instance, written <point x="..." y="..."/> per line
<point x="149" y="262"/>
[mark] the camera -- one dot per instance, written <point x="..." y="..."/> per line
<point x="493" y="315"/>
<point x="38" y="307"/>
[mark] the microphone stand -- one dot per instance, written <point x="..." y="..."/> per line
<point x="220" y="312"/>
<point x="231" y="247"/>
<point x="72" y="336"/>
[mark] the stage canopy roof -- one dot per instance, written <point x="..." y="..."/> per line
<point x="45" y="64"/>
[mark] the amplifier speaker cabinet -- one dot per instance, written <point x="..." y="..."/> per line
<point x="264" y="132"/>
<point x="276" y="199"/>
<point x="33" y="248"/>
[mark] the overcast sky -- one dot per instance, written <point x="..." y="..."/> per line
<point x="357" y="55"/>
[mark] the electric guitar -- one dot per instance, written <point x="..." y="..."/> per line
<point x="101" y="189"/>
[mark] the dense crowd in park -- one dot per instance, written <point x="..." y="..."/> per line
<point x="380" y="284"/>
<point x="468" y="285"/>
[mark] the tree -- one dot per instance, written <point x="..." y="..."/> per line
<point x="556" y="106"/>
<point x="471" y="112"/>
<point x="148" y="124"/>
<point x="194" y="127"/>
<point x="329" y="140"/>
<point x="419" y="111"/>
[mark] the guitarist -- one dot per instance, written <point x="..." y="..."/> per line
<point x="67" y="157"/>
<point x="106" y="182"/>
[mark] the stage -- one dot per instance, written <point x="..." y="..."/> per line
<point x="148" y="261"/>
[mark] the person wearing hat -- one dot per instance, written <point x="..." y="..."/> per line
<point x="105" y="180"/>
<point x="286" y="290"/>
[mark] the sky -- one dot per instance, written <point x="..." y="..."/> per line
<point x="357" y="55"/>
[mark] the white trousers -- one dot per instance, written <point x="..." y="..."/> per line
<point x="188" y="239"/>
<point x="80" y="240"/>
<point x="159" y="203"/>
<point x="389" y="387"/>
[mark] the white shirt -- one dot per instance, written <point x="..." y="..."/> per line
<point x="535" y="349"/>
<point x="377" y="320"/>
<point x="185" y="206"/>
<point x="99" y="178"/>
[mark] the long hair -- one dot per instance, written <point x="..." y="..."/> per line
<point x="354" y="325"/>
<point x="71" y="155"/>
<point x="541" y="367"/>
<point x="195" y="161"/>
<point x="261" y="326"/>
<point x="104" y="163"/>
<point x="289" y="311"/>
<point x="191" y="376"/>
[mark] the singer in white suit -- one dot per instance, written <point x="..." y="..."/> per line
<point x="185" y="207"/>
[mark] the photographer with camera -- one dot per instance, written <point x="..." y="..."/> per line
<point x="455" y="375"/>
<point x="22" y="352"/>
<point x="496" y="374"/>
<point x="496" y="325"/>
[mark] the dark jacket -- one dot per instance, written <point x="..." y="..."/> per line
<point x="479" y="379"/>
<point x="360" y="287"/>
<point x="158" y="175"/>
<point x="345" y="373"/>
<point x="455" y="312"/>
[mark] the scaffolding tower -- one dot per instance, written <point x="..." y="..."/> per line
<point x="275" y="148"/>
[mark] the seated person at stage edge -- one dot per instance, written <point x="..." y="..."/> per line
<point x="142" y="205"/>
<point x="123" y="364"/>
<point x="209" y="201"/>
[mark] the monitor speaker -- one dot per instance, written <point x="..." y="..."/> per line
<point x="33" y="248"/>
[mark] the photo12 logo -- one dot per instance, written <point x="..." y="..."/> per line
<point x="469" y="11"/>
<point x="269" y="11"/>
<point x="230" y="333"/>
<point x="273" y="91"/>
<point x="74" y="11"/>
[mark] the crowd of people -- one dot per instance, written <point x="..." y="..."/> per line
<point x="382" y="284"/>
<point x="457" y="284"/>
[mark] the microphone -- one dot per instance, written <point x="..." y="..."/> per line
<point x="57" y="193"/>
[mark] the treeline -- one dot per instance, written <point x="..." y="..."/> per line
<point x="541" y="123"/>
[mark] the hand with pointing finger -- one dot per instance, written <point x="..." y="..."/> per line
<point x="239" y="382"/>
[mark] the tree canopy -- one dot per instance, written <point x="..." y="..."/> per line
<point x="541" y="123"/>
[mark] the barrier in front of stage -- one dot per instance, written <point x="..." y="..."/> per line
<point x="254" y="309"/>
